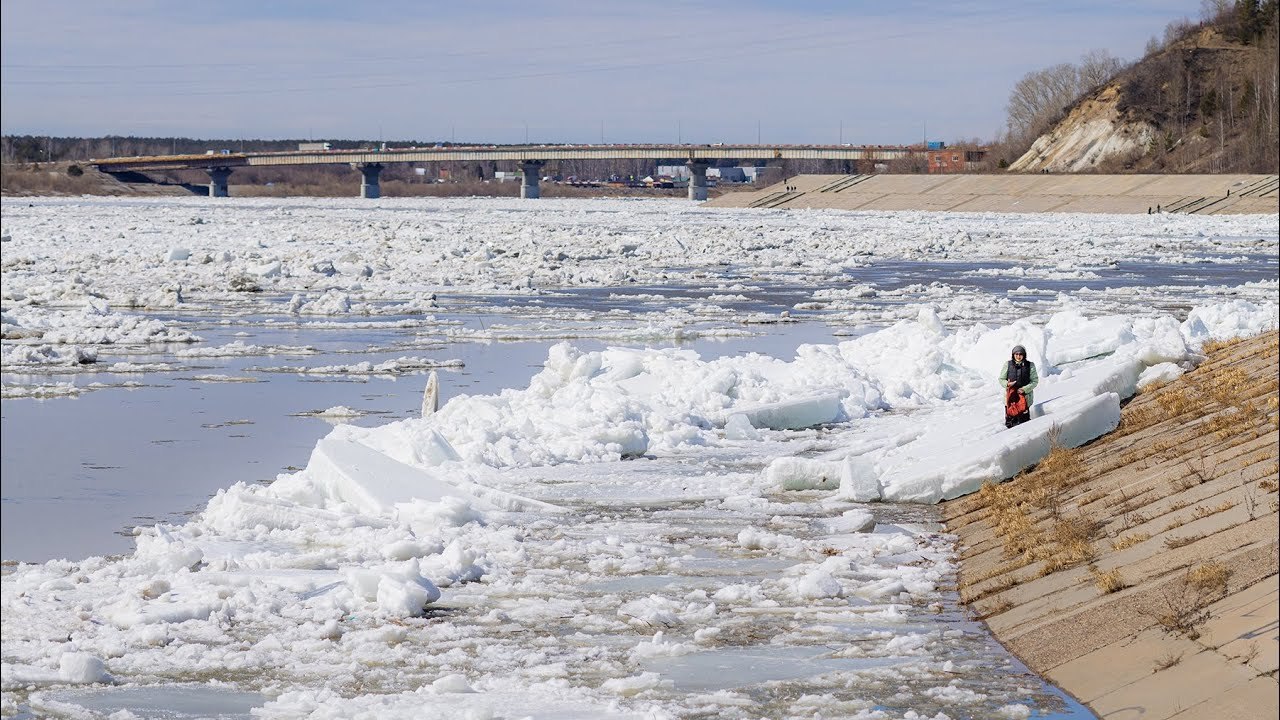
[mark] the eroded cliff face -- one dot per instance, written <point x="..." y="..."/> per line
<point x="1092" y="132"/>
<point x="1205" y="103"/>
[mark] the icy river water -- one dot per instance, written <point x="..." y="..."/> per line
<point x="657" y="519"/>
<point x="153" y="447"/>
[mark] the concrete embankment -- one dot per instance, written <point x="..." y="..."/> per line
<point x="1139" y="573"/>
<point x="1199" y="194"/>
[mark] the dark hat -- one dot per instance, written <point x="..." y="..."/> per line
<point x="1019" y="349"/>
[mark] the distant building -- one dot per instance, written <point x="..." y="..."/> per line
<point x="954" y="160"/>
<point x="725" y="174"/>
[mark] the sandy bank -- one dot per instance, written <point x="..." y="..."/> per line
<point x="1139" y="573"/>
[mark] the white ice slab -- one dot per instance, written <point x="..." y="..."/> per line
<point x="795" y="414"/>
<point x="962" y="468"/>
<point x="348" y="471"/>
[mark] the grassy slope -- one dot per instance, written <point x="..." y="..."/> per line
<point x="1140" y="571"/>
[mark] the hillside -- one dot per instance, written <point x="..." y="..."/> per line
<point x="1139" y="572"/>
<point x="1204" y="103"/>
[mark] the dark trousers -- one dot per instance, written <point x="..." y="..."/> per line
<point x="1010" y="421"/>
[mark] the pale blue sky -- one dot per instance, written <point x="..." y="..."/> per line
<point x="560" y="71"/>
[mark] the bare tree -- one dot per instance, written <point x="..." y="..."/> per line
<point x="1096" y="68"/>
<point x="1039" y="98"/>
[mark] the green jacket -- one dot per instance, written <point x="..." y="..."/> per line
<point x="1026" y="389"/>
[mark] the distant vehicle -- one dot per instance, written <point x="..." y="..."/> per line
<point x="313" y="146"/>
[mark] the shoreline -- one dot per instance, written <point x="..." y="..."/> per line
<point x="1139" y="573"/>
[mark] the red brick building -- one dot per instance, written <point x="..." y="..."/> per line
<point x="954" y="160"/>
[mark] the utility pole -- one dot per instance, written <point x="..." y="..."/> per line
<point x="679" y="132"/>
<point x="757" y="132"/>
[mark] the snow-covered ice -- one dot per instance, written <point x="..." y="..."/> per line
<point x="608" y="536"/>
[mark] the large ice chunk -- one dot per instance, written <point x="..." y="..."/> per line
<point x="962" y="468"/>
<point x="1073" y="337"/>
<point x="369" y="481"/>
<point x="399" y="589"/>
<point x="795" y="414"/>
<point x="344" y="470"/>
<point x="859" y="481"/>
<point x="1227" y="320"/>
<point x="795" y="473"/>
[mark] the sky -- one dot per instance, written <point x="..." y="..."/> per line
<point x="807" y="71"/>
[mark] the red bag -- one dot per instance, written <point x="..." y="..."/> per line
<point x="1015" y="403"/>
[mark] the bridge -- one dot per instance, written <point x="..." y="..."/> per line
<point x="530" y="158"/>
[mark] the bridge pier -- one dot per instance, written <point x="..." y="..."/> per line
<point x="530" y="174"/>
<point x="369" y="174"/>
<point x="218" y="181"/>
<point x="697" y="179"/>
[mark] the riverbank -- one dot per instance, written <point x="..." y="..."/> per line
<point x="1016" y="193"/>
<point x="1139" y="573"/>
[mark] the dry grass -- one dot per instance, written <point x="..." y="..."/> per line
<point x="994" y="608"/>
<point x="1184" y="602"/>
<point x="1204" y="512"/>
<point x="1109" y="582"/>
<point x="1093" y="497"/>
<point x="1069" y="544"/>
<point x="1210" y="578"/>
<point x="1007" y="512"/>
<point x="1178" y="400"/>
<point x="1231" y="387"/>
<point x="994" y="572"/>
<point x="1167" y="661"/>
<point x="1213" y="347"/>
<point x="47" y="179"/>
<point x="1140" y="418"/>
<point x="1175" y="543"/>
<point x="1127" y="541"/>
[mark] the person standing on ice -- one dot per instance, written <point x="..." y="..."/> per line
<point x="1020" y="378"/>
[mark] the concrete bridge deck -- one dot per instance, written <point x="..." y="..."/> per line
<point x="530" y="157"/>
<point x="1201" y="194"/>
<point x="675" y="152"/>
